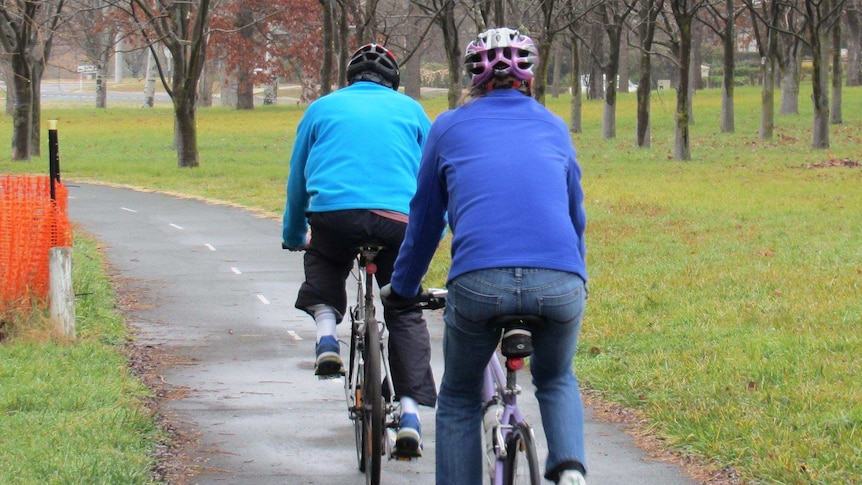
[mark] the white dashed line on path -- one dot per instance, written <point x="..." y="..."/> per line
<point x="262" y="299"/>
<point x="294" y="335"/>
<point x="128" y="210"/>
<point x="235" y="270"/>
<point x="210" y="247"/>
<point x="175" y="226"/>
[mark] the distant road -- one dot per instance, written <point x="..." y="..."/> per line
<point x="85" y="92"/>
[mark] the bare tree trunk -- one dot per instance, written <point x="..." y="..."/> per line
<point x="36" y="109"/>
<point x="820" y="90"/>
<point x="453" y="52"/>
<point x="244" y="90"/>
<point x="682" y="132"/>
<point x="328" y="48"/>
<point x="767" y="99"/>
<point x="575" y="123"/>
<point x="22" y="110"/>
<point x="205" y="85"/>
<point x="118" y="58"/>
<point x="835" y="115"/>
<point x="102" y="80"/>
<point x="343" y="44"/>
<point x="647" y="15"/>
<point x="728" y="40"/>
<point x="791" y="78"/>
<point x="596" y="87"/>
<point x="556" y="85"/>
<point x="854" y="44"/>
<point x="413" y="80"/>
<point x="545" y="44"/>
<point x="499" y="13"/>
<point x="623" y="69"/>
<point x="150" y="82"/>
<point x="185" y="130"/>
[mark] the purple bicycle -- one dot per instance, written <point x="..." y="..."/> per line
<point x="509" y="441"/>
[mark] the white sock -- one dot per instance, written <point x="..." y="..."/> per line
<point x="324" y="317"/>
<point x="409" y="406"/>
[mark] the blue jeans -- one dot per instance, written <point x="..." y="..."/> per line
<point x="468" y="344"/>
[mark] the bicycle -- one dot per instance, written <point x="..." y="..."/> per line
<point x="509" y="441"/>
<point x="368" y="385"/>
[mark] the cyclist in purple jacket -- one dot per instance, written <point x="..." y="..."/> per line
<point x="504" y="170"/>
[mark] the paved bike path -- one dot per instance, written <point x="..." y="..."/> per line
<point x="214" y="291"/>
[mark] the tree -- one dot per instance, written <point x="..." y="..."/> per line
<point x="647" y="15"/>
<point x="613" y="15"/>
<point x="767" y="45"/>
<point x="684" y="12"/>
<point x="822" y="15"/>
<point x="181" y="26"/>
<point x="722" y="24"/>
<point x="27" y="30"/>
<point x="852" y="13"/>
<point x="442" y="13"/>
<point x="261" y="41"/>
<point x="791" y="25"/>
<point x="93" y="27"/>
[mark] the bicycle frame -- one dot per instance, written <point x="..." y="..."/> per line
<point x="495" y="388"/>
<point x="361" y="315"/>
<point x="375" y="418"/>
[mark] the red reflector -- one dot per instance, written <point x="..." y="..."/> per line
<point x="515" y="363"/>
<point x="370" y="268"/>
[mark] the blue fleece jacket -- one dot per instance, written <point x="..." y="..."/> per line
<point x="356" y="148"/>
<point x="504" y="169"/>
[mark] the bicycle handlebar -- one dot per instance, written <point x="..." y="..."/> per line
<point x="433" y="299"/>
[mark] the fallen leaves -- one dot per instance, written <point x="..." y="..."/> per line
<point x="835" y="162"/>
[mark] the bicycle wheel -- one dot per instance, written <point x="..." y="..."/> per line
<point x="356" y="369"/>
<point x="522" y="463"/>
<point x="372" y="405"/>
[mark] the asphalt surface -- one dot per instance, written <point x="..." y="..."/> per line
<point x="214" y="291"/>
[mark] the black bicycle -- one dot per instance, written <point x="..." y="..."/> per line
<point x="368" y="385"/>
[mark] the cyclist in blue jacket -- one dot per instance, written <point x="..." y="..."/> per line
<point x="352" y="174"/>
<point x="504" y="170"/>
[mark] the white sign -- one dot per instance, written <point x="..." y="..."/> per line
<point x="87" y="68"/>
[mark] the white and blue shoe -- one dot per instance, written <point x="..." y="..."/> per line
<point x="328" y="363"/>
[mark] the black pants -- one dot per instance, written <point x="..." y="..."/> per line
<point x="328" y="260"/>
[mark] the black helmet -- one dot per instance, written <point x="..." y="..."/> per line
<point x="373" y="62"/>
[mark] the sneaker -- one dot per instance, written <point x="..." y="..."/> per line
<point x="328" y="363"/>
<point x="571" y="477"/>
<point x="408" y="441"/>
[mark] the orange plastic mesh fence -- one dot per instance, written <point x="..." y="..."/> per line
<point x="30" y="225"/>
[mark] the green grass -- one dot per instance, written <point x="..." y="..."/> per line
<point x="74" y="413"/>
<point x="725" y="293"/>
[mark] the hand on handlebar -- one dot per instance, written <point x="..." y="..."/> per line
<point x="431" y="299"/>
<point x="400" y="303"/>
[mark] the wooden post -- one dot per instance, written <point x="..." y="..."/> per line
<point x="62" y="297"/>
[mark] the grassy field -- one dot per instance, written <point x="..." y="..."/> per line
<point x="725" y="294"/>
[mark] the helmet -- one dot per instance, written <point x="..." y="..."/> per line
<point x="373" y="62"/>
<point x="499" y="52"/>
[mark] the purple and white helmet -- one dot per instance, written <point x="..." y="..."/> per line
<point x="499" y="52"/>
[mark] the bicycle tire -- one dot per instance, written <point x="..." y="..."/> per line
<point x="372" y="404"/>
<point x="358" y="422"/>
<point x="522" y="461"/>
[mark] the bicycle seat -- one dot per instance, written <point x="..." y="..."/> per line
<point x="517" y="334"/>
<point x="367" y="251"/>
